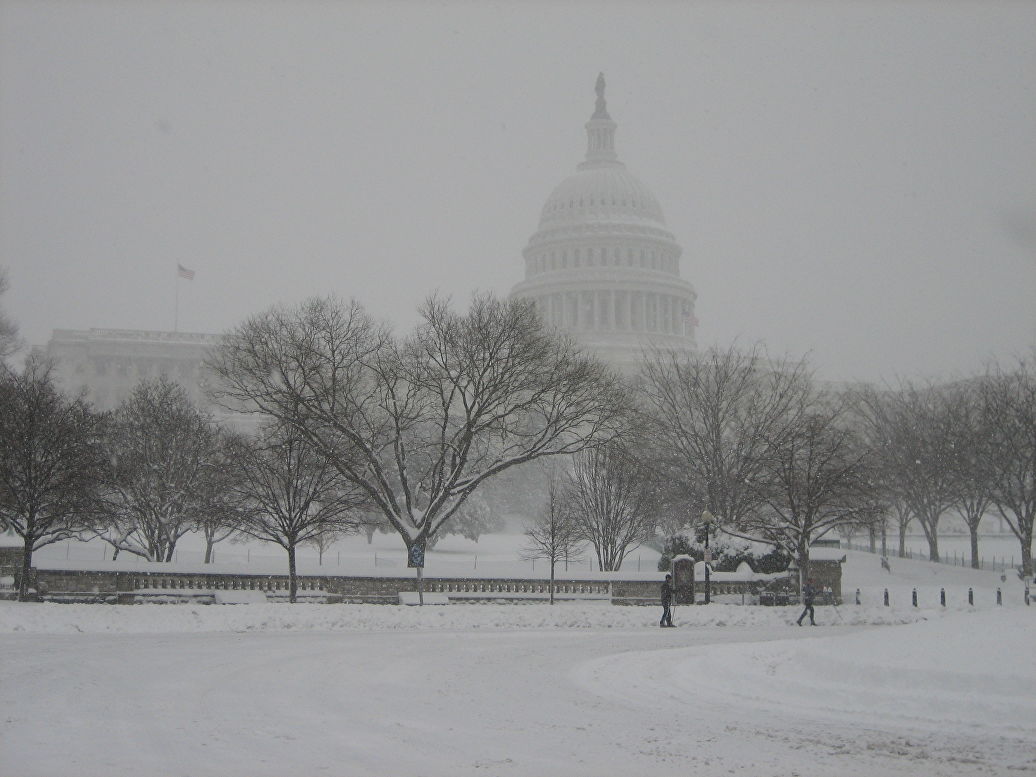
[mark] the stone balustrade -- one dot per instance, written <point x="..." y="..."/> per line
<point x="135" y="586"/>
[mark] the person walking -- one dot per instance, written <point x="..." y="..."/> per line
<point x="808" y="595"/>
<point x="667" y="601"/>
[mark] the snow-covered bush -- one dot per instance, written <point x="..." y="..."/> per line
<point x="727" y="553"/>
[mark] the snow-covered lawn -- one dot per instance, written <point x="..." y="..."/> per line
<point x="527" y="690"/>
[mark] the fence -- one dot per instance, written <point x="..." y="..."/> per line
<point x="959" y="559"/>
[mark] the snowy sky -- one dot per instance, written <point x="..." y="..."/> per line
<point x="852" y="180"/>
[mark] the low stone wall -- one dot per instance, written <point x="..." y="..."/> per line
<point x="132" y="587"/>
<point x="137" y="586"/>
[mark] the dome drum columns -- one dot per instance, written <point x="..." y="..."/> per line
<point x="618" y="310"/>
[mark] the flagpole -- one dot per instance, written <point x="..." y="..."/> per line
<point x="176" y="309"/>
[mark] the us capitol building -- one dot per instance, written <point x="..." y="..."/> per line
<point x="601" y="268"/>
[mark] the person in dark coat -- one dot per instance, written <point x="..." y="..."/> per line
<point x="667" y="601"/>
<point x="808" y="595"/>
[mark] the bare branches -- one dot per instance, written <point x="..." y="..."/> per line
<point x="51" y="461"/>
<point x="9" y="340"/>
<point x="911" y="430"/>
<point x="289" y="493"/>
<point x="165" y="470"/>
<point x="718" y="414"/>
<point x="613" y="501"/>
<point x="417" y="424"/>
<point x="1010" y="407"/>
<point x="554" y="536"/>
<point x="818" y="476"/>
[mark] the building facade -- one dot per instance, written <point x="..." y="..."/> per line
<point x="602" y="267"/>
<point x="107" y="364"/>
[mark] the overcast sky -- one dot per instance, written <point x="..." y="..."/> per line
<point x="855" y="181"/>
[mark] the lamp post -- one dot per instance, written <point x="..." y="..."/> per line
<point x="707" y="519"/>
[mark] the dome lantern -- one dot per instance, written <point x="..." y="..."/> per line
<point x="600" y="132"/>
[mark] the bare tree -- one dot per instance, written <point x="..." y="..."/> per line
<point x="166" y="470"/>
<point x="817" y="477"/>
<point x="972" y="456"/>
<point x="901" y="510"/>
<point x="326" y="539"/>
<point x="553" y="536"/>
<point x="9" y="340"/>
<point x="1010" y="406"/>
<point x="293" y="494"/>
<point x="717" y="415"/>
<point x="51" y="461"/>
<point x="911" y="431"/>
<point x="371" y="521"/>
<point x="223" y="505"/>
<point x="613" y="500"/>
<point x="418" y="424"/>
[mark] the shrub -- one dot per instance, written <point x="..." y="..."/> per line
<point x="727" y="553"/>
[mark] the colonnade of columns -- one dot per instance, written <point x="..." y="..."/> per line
<point x="613" y="310"/>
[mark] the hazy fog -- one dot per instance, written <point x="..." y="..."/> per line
<point x="853" y="179"/>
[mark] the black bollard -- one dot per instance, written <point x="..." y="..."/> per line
<point x="858" y="594"/>
<point x="942" y="596"/>
<point x="999" y="598"/>
<point x="886" y="597"/>
<point x="971" y="597"/>
<point x="913" y="597"/>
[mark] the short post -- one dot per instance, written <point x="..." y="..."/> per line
<point x="857" y="595"/>
<point x="1026" y="594"/>
<point x="971" y="597"/>
<point x="913" y="598"/>
<point x="886" y="597"/>
<point x="999" y="597"/>
<point x="942" y="596"/>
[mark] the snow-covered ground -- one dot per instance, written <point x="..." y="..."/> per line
<point x="529" y="690"/>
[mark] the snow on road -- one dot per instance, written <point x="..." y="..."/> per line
<point x="503" y="690"/>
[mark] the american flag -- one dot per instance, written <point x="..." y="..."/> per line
<point x="183" y="272"/>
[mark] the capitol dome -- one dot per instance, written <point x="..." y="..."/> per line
<point x="601" y="194"/>
<point x="602" y="267"/>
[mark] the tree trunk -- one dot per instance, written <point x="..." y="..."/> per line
<point x="293" y="582"/>
<point x="884" y="539"/>
<point x="973" y="530"/>
<point x="803" y="554"/>
<point x="115" y="552"/>
<point x="208" y="550"/>
<point x="1026" y="541"/>
<point x="904" y="521"/>
<point x="23" y="582"/>
<point x="930" y="527"/>
<point x="552" y="581"/>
